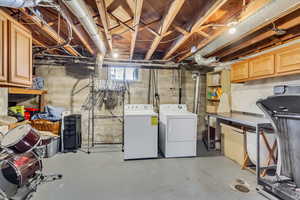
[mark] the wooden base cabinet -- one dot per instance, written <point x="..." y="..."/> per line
<point x="15" y="53"/>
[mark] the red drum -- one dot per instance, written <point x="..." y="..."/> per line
<point x="19" y="169"/>
<point x="21" y="139"/>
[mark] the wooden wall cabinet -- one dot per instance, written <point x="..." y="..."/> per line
<point x="262" y="66"/>
<point x="15" y="53"/>
<point x="3" y="48"/>
<point x="20" y="59"/>
<point x="239" y="71"/>
<point x="283" y="61"/>
<point x="288" y="60"/>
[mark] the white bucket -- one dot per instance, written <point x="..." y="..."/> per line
<point x="264" y="153"/>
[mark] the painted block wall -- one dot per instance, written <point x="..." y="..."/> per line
<point x="66" y="87"/>
<point x="244" y="96"/>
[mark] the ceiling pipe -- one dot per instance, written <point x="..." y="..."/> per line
<point x="79" y="9"/>
<point x="19" y="3"/>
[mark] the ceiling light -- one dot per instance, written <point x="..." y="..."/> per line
<point x="193" y="49"/>
<point x="232" y="30"/>
<point x="115" y="55"/>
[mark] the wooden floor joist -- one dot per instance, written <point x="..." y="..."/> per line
<point x="104" y="19"/>
<point x="167" y="20"/>
<point x="50" y="31"/>
<point x="136" y="22"/>
<point x="253" y="7"/>
<point x="195" y="28"/>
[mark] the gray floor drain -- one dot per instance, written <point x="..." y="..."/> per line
<point x="241" y="188"/>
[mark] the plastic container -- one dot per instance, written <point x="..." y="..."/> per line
<point x="264" y="153"/>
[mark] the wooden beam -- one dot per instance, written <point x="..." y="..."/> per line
<point x="263" y="36"/>
<point x="104" y="19"/>
<point x="254" y="5"/>
<point x="51" y="32"/>
<point x="121" y="22"/>
<point x="167" y="20"/>
<point x="136" y="22"/>
<point x="38" y="43"/>
<point x="195" y="28"/>
<point x="180" y="29"/>
<point x="77" y="30"/>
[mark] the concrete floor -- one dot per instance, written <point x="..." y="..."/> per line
<point x="104" y="175"/>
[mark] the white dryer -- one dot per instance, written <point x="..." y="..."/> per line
<point x="177" y="131"/>
<point x="140" y="132"/>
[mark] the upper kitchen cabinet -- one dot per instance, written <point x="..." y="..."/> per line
<point x="239" y="71"/>
<point x="288" y="59"/>
<point x="3" y="48"/>
<point x="20" y="59"/>
<point x="261" y="66"/>
<point x="15" y="53"/>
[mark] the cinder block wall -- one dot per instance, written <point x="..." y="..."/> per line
<point x="66" y="87"/>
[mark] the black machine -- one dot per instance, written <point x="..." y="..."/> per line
<point x="283" y="109"/>
<point x="71" y="133"/>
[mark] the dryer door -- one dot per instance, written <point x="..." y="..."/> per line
<point x="182" y="129"/>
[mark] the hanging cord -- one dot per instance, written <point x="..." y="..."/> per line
<point x="69" y="25"/>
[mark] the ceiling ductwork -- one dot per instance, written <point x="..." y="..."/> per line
<point x="271" y="11"/>
<point x="200" y="60"/>
<point x="19" y="3"/>
<point x="79" y="9"/>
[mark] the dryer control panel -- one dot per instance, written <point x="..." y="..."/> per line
<point x="173" y="107"/>
<point x="138" y="107"/>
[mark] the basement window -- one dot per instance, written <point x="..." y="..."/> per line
<point x="117" y="74"/>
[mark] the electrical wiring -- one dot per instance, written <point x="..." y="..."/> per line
<point x="69" y="26"/>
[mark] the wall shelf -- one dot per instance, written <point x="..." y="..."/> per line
<point x="40" y="93"/>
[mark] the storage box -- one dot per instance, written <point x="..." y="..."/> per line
<point x="234" y="143"/>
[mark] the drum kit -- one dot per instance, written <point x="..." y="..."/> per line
<point x="22" y="152"/>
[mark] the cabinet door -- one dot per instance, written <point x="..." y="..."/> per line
<point x="239" y="71"/>
<point x="262" y="66"/>
<point x="3" y="48"/>
<point x="20" y="69"/>
<point x="288" y="59"/>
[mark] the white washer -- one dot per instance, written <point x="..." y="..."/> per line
<point x="177" y="131"/>
<point x="140" y="132"/>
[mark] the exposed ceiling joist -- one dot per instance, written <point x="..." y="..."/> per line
<point x="136" y="22"/>
<point x="253" y="7"/>
<point x="77" y="30"/>
<point x="195" y="28"/>
<point x="104" y="19"/>
<point x="38" y="43"/>
<point x="166" y="23"/>
<point x="287" y="25"/>
<point x="52" y="33"/>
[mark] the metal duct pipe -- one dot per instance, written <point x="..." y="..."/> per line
<point x="200" y="60"/>
<point x="19" y="3"/>
<point x="196" y="97"/>
<point x="79" y="8"/>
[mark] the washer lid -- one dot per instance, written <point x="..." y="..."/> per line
<point x="13" y="136"/>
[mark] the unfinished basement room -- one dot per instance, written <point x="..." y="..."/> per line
<point x="149" y="99"/>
